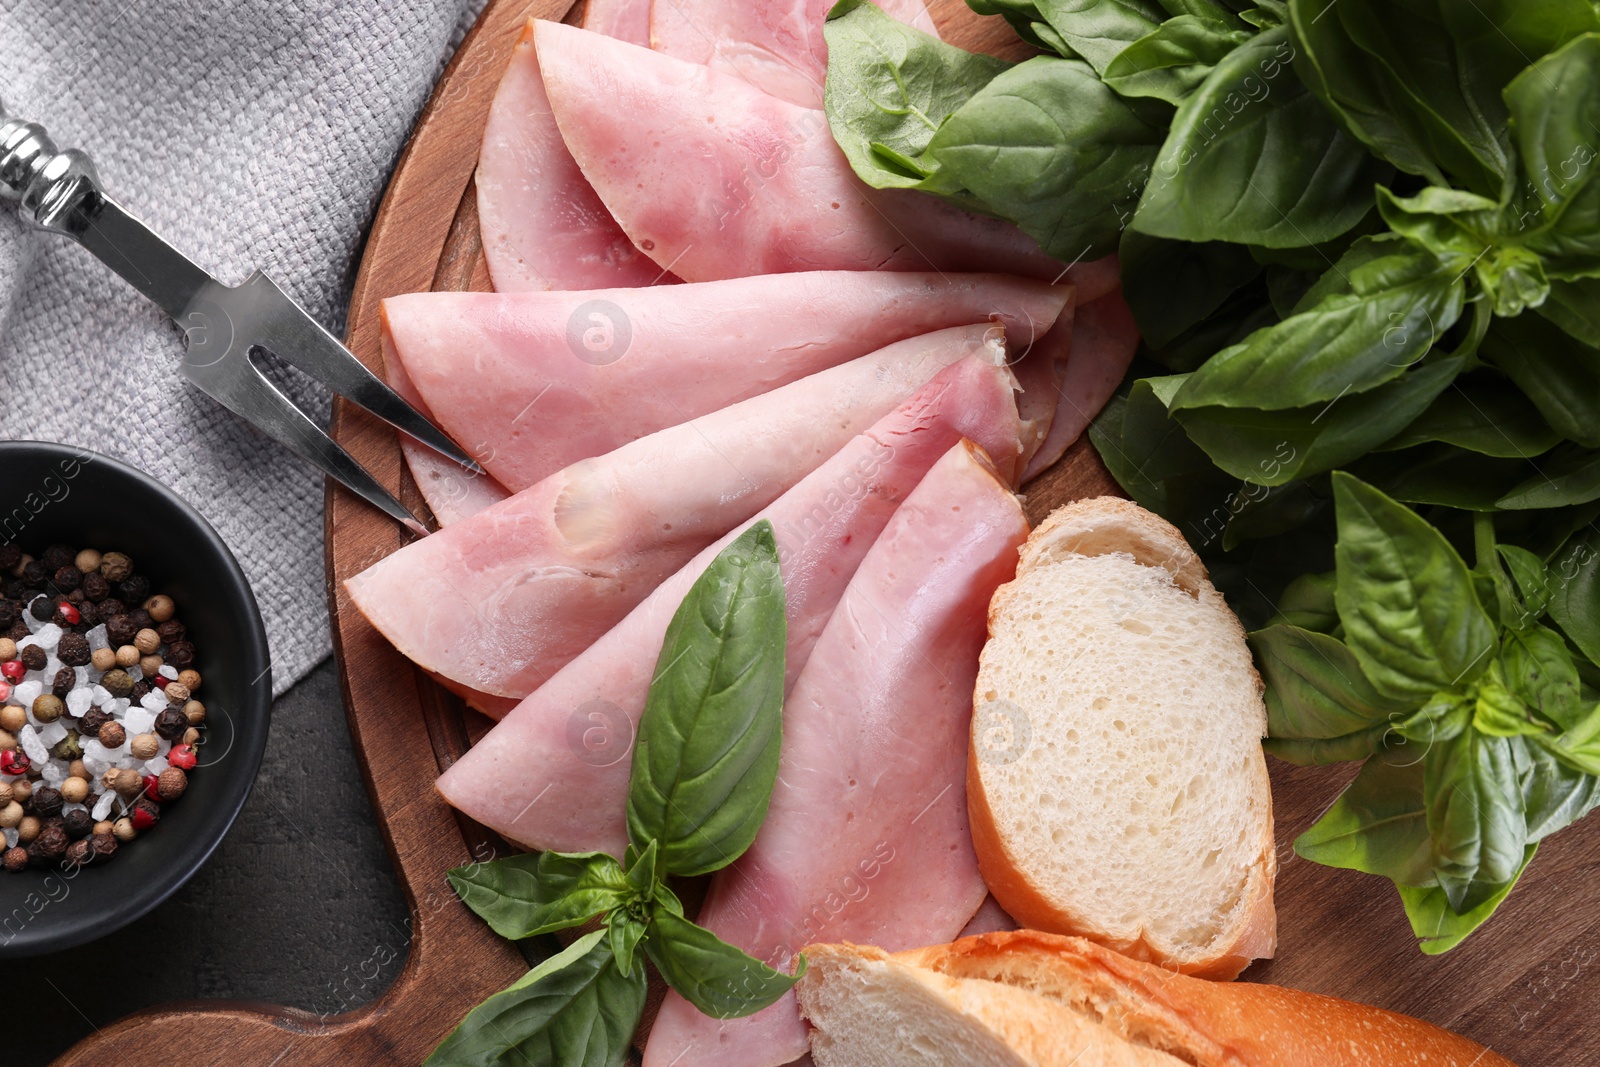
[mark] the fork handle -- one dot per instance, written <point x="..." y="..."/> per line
<point x="51" y="186"/>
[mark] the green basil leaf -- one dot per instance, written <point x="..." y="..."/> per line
<point x="1575" y="307"/>
<point x="1560" y="374"/>
<point x="1445" y="716"/>
<point x="1315" y="688"/>
<point x="1554" y="795"/>
<point x="1243" y="313"/>
<point x="541" y="892"/>
<point x="1209" y="10"/>
<point x="1442" y="474"/>
<point x="1437" y="923"/>
<point x="644" y="869"/>
<point x="1575" y="592"/>
<point x="1568" y="475"/>
<point x="1024" y="17"/>
<point x="1048" y="146"/>
<point x="623" y="934"/>
<point x="1276" y="446"/>
<point x="1539" y="670"/>
<point x="1320" y="751"/>
<point x="1346" y="343"/>
<point x="1254" y="158"/>
<point x="707" y="752"/>
<point x="573" y="1010"/>
<point x="1378" y="825"/>
<point x="1410" y="613"/>
<point x="1499" y="712"/>
<point x="1454" y="223"/>
<point x="1173" y="285"/>
<point x="1098" y="30"/>
<point x="1532" y="580"/>
<point x="888" y="89"/>
<point x="1483" y="413"/>
<point x="1555" y="108"/>
<point x="1261" y="511"/>
<point x="1475" y="817"/>
<point x="1307" y="602"/>
<point x="1171" y="62"/>
<point x="1578" y="747"/>
<point x="719" y="979"/>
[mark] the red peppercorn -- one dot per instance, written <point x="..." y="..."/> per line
<point x="183" y="757"/>
<point x="69" y="613"/>
<point x="5" y="692"/>
<point x="14" y="762"/>
<point x="161" y="681"/>
<point x="13" y="670"/>
<point x="143" y="819"/>
<point x="152" y="787"/>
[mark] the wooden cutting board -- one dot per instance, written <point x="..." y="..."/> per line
<point x="1526" y="985"/>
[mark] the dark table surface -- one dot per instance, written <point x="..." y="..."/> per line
<point x="299" y="905"/>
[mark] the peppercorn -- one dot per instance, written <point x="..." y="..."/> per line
<point x="78" y="854"/>
<point x="95" y="587"/>
<point x="182" y="756"/>
<point x="103" y="826"/>
<point x="190" y="680"/>
<point x="13" y="717"/>
<point x="28" y="829"/>
<point x="171" y="723"/>
<point x="74" y="790"/>
<point x="125" y="781"/>
<point x="34" y="658"/>
<point x="65" y="681"/>
<point x="177" y="693"/>
<point x="127" y="656"/>
<point x="76" y="769"/>
<point x="118" y="683"/>
<point x="145" y="746"/>
<point x="11" y="814"/>
<point x="5" y="794"/>
<point x="42" y="608"/>
<point x="74" y="650"/>
<point x="135" y="589"/>
<point x="8" y="740"/>
<point x="68" y="748"/>
<point x="181" y="654"/>
<point x="104" y="842"/>
<point x="195" y="712"/>
<point x="120" y="629"/>
<point x="48" y="708"/>
<point x="115" y="566"/>
<point x="15" y="762"/>
<point x="78" y="823"/>
<point x="191" y="737"/>
<point x="88" y="617"/>
<point x="123" y="829"/>
<point x="171" y="631"/>
<point x="10" y="612"/>
<point x="93" y="719"/>
<point x="102" y="659"/>
<point x="51" y="844"/>
<point x="15" y="859"/>
<point x="75" y="597"/>
<point x="67" y="578"/>
<point x="19" y="631"/>
<point x="112" y="606"/>
<point x="146" y="813"/>
<point x="112" y="735"/>
<point x="58" y="555"/>
<point x="140" y="690"/>
<point x="8" y="649"/>
<point x="146" y="641"/>
<point x="172" y="783"/>
<point x="66" y="615"/>
<point x="45" y="802"/>
<point x="35" y="574"/>
<point x="21" y="789"/>
<point x="160" y="607"/>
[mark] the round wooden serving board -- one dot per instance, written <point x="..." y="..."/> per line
<point x="1526" y="985"/>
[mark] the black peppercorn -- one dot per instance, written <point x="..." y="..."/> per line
<point x="49" y="845"/>
<point x="45" y="802"/>
<point x="67" y="578"/>
<point x="10" y="556"/>
<point x="16" y="859"/>
<point x="64" y="682"/>
<point x="12" y="588"/>
<point x="181" y="654"/>
<point x="134" y="589"/>
<point x="75" y="597"/>
<point x="104" y="845"/>
<point x="172" y="631"/>
<point x="35" y="575"/>
<point x="42" y="608"/>
<point x="34" y="658"/>
<point x="57" y="556"/>
<point x="73" y="650"/>
<point x="111" y="606"/>
<point x="18" y="632"/>
<point x="88" y="617"/>
<point x="10" y="612"/>
<point x="172" y="723"/>
<point x="93" y="719"/>
<point x="141" y="618"/>
<point x="78" y="853"/>
<point x="141" y="689"/>
<point x="117" y="682"/>
<point x="62" y="619"/>
<point x="95" y="587"/>
<point x="120" y="630"/>
<point x="78" y="823"/>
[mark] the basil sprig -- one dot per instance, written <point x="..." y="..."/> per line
<point x="703" y="771"/>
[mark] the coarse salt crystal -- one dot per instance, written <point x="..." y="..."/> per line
<point x="97" y="638"/>
<point x="155" y="766"/>
<point x="169" y="672"/>
<point x="82" y="678"/>
<point x="51" y="732"/>
<point x="36" y="750"/>
<point x="135" y="673"/>
<point x="94" y="750"/>
<point x="54" y="773"/>
<point x="11" y="839"/>
<point x="27" y="692"/>
<point x="139" y="721"/>
<point x="48" y="635"/>
<point x="102" y="807"/>
<point x="102" y="695"/>
<point x="95" y="765"/>
<point x="128" y="762"/>
<point x="78" y="702"/>
<point x="155" y="701"/>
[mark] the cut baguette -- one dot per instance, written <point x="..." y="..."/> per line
<point x="1117" y="786"/>
<point x="870" y="1009"/>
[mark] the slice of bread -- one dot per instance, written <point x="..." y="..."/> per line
<point x="869" y="1009"/>
<point x="1117" y="785"/>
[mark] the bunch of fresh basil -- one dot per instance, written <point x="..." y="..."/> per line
<point x="704" y="766"/>
<point x="1355" y="234"/>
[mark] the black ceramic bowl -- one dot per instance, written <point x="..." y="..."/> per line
<point x="49" y="494"/>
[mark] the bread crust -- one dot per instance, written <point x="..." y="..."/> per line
<point x="1098" y="526"/>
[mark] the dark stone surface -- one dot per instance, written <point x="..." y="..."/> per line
<point x="299" y="906"/>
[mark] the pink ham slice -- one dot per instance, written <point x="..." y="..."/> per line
<point x="554" y="773"/>
<point x="543" y="227"/>
<point x="500" y="602"/>
<point x="626" y="20"/>
<point x="776" y="45"/>
<point x="576" y="375"/>
<point x="715" y="179"/>
<point x="866" y="839"/>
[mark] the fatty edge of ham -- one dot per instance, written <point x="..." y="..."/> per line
<point x="501" y="601"/>
<point x="579" y="374"/>
<point x="866" y="839"/>
<point x="554" y="773"/>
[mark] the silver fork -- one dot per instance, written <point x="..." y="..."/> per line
<point x="60" y="192"/>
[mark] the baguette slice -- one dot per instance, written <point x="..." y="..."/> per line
<point x="1116" y="785"/>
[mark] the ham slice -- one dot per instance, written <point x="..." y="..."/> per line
<point x="579" y="374"/>
<point x="866" y="839"/>
<point x="554" y="773"/>
<point x="777" y="45"/>
<point x="626" y="20"/>
<point x="500" y="602"/>
<point x="715" y="179"/>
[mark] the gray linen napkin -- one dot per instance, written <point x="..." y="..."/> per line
<point x="250" y="134"/>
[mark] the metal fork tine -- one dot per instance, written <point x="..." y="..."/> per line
<point x="284" y="328"/>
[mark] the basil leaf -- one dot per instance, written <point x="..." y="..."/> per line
<point x="573" y="1010"/>
<point x="1483" y="413"/>
<point x="889" y="87"/>
<point x="1170" y="62"/>
<point x="1437" y="923"/>
<point x="719" y="979"/>
<point x="623" y="934"/>
<point x="1410" y="613"/>
<point x="1378" y="825"/>
<point x="1023" y="16"/>
<point x="1315" y="688"/>
<point x="1444" y="717"/>
<point x="1498" y="712"/>
<point x="1575" y="592"/>
<point x="1442" y="474"/>
<point x="541" y="892"/>
<point x="1475" y="817"/>
<point x="1276" y="446"/>
<point x="1539" y="670"/>
<point x="1575" y="307"/>
<point x="1554" y="795"/>
<point x="1560" y="374"/>
<point x="1568" y="475"/>
<point x="1453" y="223"/>
<point x="1578" y="747"/>
<point x="1348" y="342"/>
<point x="707" y="752"/>
<point x="1098" y="30"/>
<point x="644" y="870"/>
<point x="1532" y="581"/>
<point x="1307" y="603"/>
<point x="1172" y="285"/>
<point x="1254" y="158"/>
<point x="1048" y="146"/>
<point x="1555" y="109"/>
<point x="1262" y="511"/>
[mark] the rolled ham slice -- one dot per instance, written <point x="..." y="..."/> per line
<point x="554" y="773"/>
<point x="866" y="839"/>
<point x="775" y="45"/>
<point x="576" y="375"/>
<point x="626" y="20"/>
<point x="500" y="602"/>
<point x="713" y="178"/>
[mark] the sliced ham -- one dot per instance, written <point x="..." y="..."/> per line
<point x="866" y="838"/>
<point x="776" y="45"/>
<point x="713" y="178"/>
<point x="500" y="602"/>
<point x="626" y="20"/>
<point x="554" y="773"/>
<point x="577" y="375"/>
